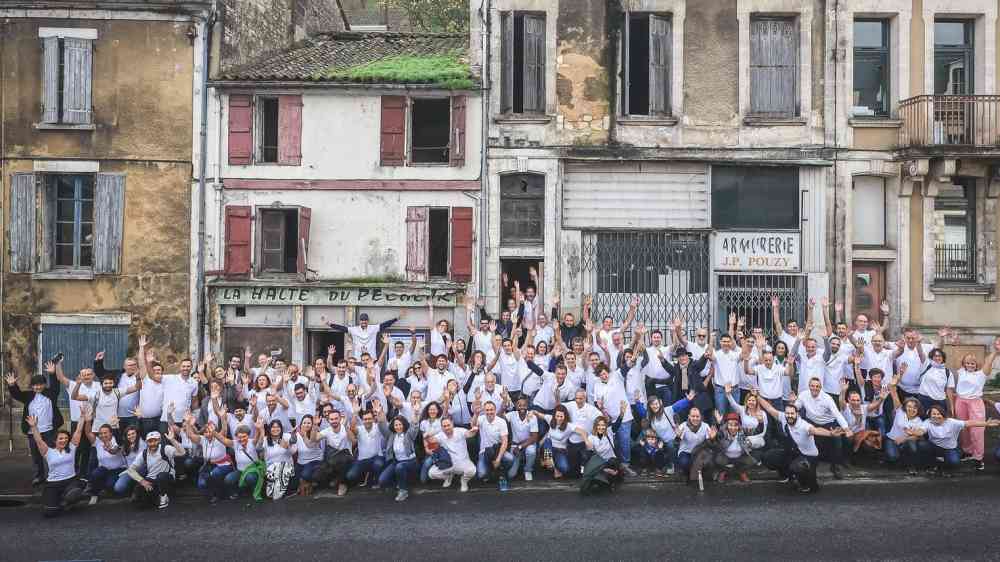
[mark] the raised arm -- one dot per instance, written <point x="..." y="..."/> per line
<point x="40" y="443"/>
<point x="776" y="315"/>
<point x="632" y="309"/>
<point x="333" y="325"/>
<point x="825" y="304"/>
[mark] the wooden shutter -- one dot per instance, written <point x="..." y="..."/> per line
<point x="77" y="76"/>
<point x="109" y="222"/>
<point x="623" y="62"/>
<point x="305" y="221"/>
<point x="457" y="149"/>
<point x="659" y="65"/>
<point x="534" y="64"/>
<point x="507" y="62"/>
<point x="290" y="130"/>
<point x="23" y="212"/>
<point x="238" y="224"/>
<point x="50" y="80"/>
<point x="240" y="130"/>
<point x="774" y="90"/>
<point x="393" y="138"/>
<point x="461" y="243"/>
<point x="416" y="243"/>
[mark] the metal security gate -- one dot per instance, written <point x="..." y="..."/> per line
<point x="749" y="296"/>
<point x="668" y="271"/>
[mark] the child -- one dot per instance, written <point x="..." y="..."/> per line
<point x="651" y="454"/>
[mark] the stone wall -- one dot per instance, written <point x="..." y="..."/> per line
<point x="253" y="28"/>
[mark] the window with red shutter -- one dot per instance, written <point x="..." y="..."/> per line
<point x="290" y="130"/>
<point x="416" y="243"/>
<point x="461" y="243"/>
<point x="457" y="152"/>
<point x="239" y="220"/>
<point x="240" y="130"/>
<point x="393" y="131"/>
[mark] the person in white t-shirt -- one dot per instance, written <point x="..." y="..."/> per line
<point x="691" y="434"/>
<point x="494" y="443"/>
<point x="62" y="489"/>
<point x="912" y="352"/>
<point x="364" y="336"/>
<point x="523" y="437"/>
<point x="453" y="440"/>
<point x="942" y="438"/>
<point x="110" y="462"/>
<point x="965" y="391"/>
<point x="796" y="456"/>
<point x="86" y="388"/>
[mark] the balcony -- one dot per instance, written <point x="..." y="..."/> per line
<point x="950" y="124"/>
<point x="954" y="263"/>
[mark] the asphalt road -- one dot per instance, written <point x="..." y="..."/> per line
<point x="939" y="519"/>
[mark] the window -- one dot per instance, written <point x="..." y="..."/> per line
<point x="774" y="67"/>
<point x="437" y="248"/>
<point x="74" y="221"/>
<point x="955" y="232"/>
<point x="265" y="130"/>
<point x="522" y="208"/>
<point x="953" y="57"/>
<point x="279" y="229"/>
<point x="868" y="211"/>
<point x="746" y="197"/>
<point x="523" y="63"/>
<point x="267" y="144"/>
<point x="646" y="64"/>
<point x="430" y="123"/>
<point x="439" y="243"/>
<point x="67" y="75"/>
<point x="871" y="68"/>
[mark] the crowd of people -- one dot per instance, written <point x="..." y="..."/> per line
<point x="526" y="393"/>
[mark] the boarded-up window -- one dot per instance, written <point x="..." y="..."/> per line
<point x="67" y="80"/>
<point x="747" y="197"/>
<point x="774" y="63"/>
<point x="522" y="208"/>
<point x="646" y="64"/>
<point x="868" y="211"/>
<point x="80" y="342"/>
<point x="523" y="62"/>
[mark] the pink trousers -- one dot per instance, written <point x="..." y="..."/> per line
<point x="972" y="439"/>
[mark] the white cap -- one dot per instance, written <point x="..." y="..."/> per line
<point x="152" y="435"/>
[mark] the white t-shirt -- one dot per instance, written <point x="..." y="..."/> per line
<point x="455" y="445"/>
<point x="820" y="409"/>
<point x="727" y="367"/>
<point x="604" y="446"/>
<point x="399" y="447"/>
<point x="128" y="402"/>
<point x="245" y="456"/>
<point x="151" y="398"/>
<point x="691" y="438"/>
<point x="369" y="442"/>
<point x="41" y="408"/>
<point x="107" y="459"/>
<point x="61" y="463"/>
<point x="800" y="435"/>
<point x="901" y="423"/>
<point x="401" y="363"/>
<point x="810" y="368"/>
<point x="439" y="342"/>
<point x="275" y="453"/>
<point x="336" y="440"/>
<point x="179" y="392"/>
<point x="308" y="452"/>
<point x="914" y="368"/>
<point x="583" y="417"/>
<point x="944" y="435"/>
<point x="770" y="381"/>
<point x="87" y="391"/>
<point x="105" y="407"/>
<point x="491" y="432"/>
<point x="364" y="340"/>
<point x="934" y="381"/>
<point x="969" y="385"/>
<point x="520" y="429"/>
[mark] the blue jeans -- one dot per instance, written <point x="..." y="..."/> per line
<point x="213" y="482"/>
<point x="398" y="473"/>
<point x="526" y="457"/>
<point x="484" y="467"/>
<point x="952" y="457"/>
<point x="103" y="478"/>
<point x="721" y="402"/>
<point x="371" y="466"/>
<point x="232" y="482"/>
<point x="561" y="460"/>
<point x="683" y="463"/>
<point x="425" y="468"/>
<point x="124" y="484"/>
<point x="908" y="452"/>
<point x="307" y="472"/>
<point x="666" y="394"/>
<point x="623" y="441"/>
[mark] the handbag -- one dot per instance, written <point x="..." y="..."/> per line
<point x="756" y="441"/>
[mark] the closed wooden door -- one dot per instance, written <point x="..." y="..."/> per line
<point x="869" y="289"/>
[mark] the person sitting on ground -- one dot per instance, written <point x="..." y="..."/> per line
<point x="603" y="470"/>
<point x="400" y="456"/>
<point x="110" y="462"/>
<point x="796" y="456"/>
<point x="942" y="439"/>
<point x="154" y="470"/>
<point x="452" y="440"/>
<point x="62" y="488"/>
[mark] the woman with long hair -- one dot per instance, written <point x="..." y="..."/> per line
<point x="132" y="446"/>
<point x="942" y="439"/>
<point x="557" y="439"/>
<point x="110" y="462"/>
<point x="218" y="464"/>
<point x="308" y="449"/>
<point x="603" y="470"/>
<point x="278" y="457"/>
<point x="430" y="426"/>
<point x="62" y="489"/>
<point x="400" y="456"/>
<point x="902" y="443"/>
<point x="965" y="391"/>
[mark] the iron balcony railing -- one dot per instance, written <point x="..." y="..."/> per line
<point x="948" y="120"/>
<point x="954" y="262"/>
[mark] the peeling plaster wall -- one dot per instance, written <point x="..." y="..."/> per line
<point x="582" y="79"/>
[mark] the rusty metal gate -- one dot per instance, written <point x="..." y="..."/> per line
<point x="749" y="296"/>
<point x="668" y="271"/>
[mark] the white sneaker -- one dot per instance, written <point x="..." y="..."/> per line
<point x="402" y="495"/>
<point x="164" y="501"/>
<point x="465" y="485"/>
<point x="342" y="489"/>
<point x="670" y="469"/>
<point x="93" y="500"/>
<point x="527" y="477"/>
<point x="447" y="482"/>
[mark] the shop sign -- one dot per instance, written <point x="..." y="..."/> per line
<point x="757" y="251"/>
<point x="335" y="296"/>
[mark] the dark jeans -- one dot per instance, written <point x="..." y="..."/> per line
<point x="831" y="449"/>
<point x="49" y="437"/>
<point x="307" y="472"/>
<point x="793" y="464"/>
<point x="163" y="484"/>
<point x="683" y="463"/>
<point x="665" y="393"/>
<point x="151" y="424"/>
<point x="103" y="478"/>
<point x="561" y="460"/>
<point x="398" y="473"/>
<point x="212" y="480"/>
<point x="232" y="483"/>
<point x="574" y="454"/>
<point x="952" y="457"/>
<point x="926" y="402"/>
<point x="83" y="450"/>
<point x="658" y="460"/>
<point x="57" y="496"/>
<point x="371" y="466"/>
<point x="908" y="452"/>
<point x="189" y="466"/>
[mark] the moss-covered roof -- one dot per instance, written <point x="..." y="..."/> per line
<point x="369" y="58"/>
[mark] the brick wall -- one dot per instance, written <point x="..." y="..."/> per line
<point x="252" y="28"/>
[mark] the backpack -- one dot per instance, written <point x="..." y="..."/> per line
<point x="163" y="455"/>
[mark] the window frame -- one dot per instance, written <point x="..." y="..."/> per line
<point x="885" y="54"/>
<point x="716" y="208"/>
<point x="447" y="265"/>
<point x="258" y="129"/>
<point x="968" y="204"/>
<point x="967" y="50"/>
<point x="78" y="222"/>
<point x="885" y="212"/>
<point x="624" y="56"/>
<point x="410" y="129"/>
<point x="797" y="86"/>
<point x="507" y="80"/>
<point x="84" y="36"/>
<point x="507" y="239"/>
<point x="258" y="236"/>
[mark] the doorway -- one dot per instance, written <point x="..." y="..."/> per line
<point x="869" y="289"/>
<point x="519" y="270"/>
<point x="319" y="340"/>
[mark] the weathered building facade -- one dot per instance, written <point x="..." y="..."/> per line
<point x="96" y="170"/>
<point x="666" y="149"/>
<point x="340" y="186"/>
<point x="917" y="178"/>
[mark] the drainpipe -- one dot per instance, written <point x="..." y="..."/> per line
<point x="203" y="150"/>
<point x="485" y="14"/>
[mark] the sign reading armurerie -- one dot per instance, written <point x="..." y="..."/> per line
<point x="757" y="251"/>
<point x="335" y="296"/>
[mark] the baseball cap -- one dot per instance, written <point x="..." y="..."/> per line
<point x="152" y="435"/>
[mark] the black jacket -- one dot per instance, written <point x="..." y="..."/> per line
<point x="26" y="396"/>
